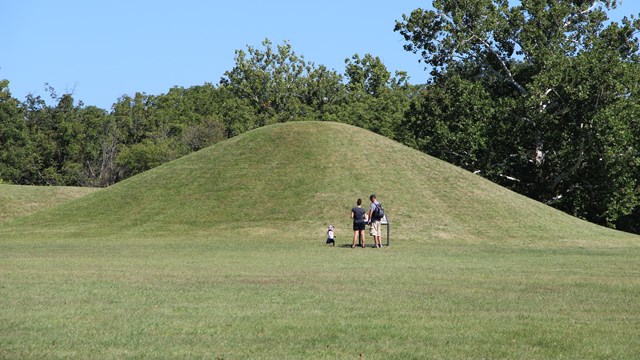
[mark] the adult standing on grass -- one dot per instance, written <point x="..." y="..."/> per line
<point x="357" y="214"/>
<point x="374" y="221"/>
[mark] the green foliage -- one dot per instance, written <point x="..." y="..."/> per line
<point x="71" y="144"/>
<point x="272" y="85"/>
<point x="449" y="122"/>
<point x="375" y="100"/>
<point x="148" y="154"/>
<point x="541" y="97"/>
<point x="14" y="139"/>
<point x="279" y="86"/>
<point x="203" y="134"/>
<point x="151" y="130"/>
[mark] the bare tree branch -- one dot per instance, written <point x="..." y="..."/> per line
<point x="563" y="175"/>
<point x="510" y="78"/>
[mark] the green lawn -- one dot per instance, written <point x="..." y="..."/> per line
<point x="232" y="296"/>
<point x="17" y="200"/>
<point x="220" y="255"/>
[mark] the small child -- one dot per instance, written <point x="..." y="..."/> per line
<point x="330" y="236"/>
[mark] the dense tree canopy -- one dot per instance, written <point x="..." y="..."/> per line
<point x="72" y="144"/>
<point x="14" y="141"/>
<point x="541" y="97"/>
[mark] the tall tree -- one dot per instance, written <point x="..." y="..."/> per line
<point x="279" y="85"/>
<point x="557" y="89"/>
<point x="14" y="138"/>
<point x="375" y="99"/>
<point x="153" y="129"/>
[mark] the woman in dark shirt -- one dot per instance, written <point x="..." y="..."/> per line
<point x="357" y="214"/>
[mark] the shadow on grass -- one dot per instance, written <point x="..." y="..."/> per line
<point x="348" y="246"/>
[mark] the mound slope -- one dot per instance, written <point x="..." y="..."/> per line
<point x="304" y="175"/>
<point x="19" y="200"/>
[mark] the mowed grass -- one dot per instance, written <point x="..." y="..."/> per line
<point x="220" y="255"/>
<point x="20" y="200"/>
<point x="229" y="297"/>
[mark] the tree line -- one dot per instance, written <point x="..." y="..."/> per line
<point x="72" y="144"/>
<point x="540" y="97"/>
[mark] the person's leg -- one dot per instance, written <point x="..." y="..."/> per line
<point x="362" y="237"/>
<point x="376" y="237"/>
<point x="372" y="232"/>
<point x="355" y="237"/>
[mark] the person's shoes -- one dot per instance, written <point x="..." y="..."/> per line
<point x="353" y="246"/>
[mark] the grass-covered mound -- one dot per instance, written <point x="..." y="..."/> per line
<point x="19" y="200"/>
<point x="307" y="175"/>
<point x="220" y="255"/>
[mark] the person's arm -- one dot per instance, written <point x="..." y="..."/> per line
<point x="352" y="213"/>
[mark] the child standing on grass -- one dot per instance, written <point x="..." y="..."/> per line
<point x="331" y="240"/>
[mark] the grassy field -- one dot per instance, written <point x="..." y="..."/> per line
<point x="220" y="255"/>
<point x="17" y="200"/>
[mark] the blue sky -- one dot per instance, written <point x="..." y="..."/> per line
<point x="101" y="50"/>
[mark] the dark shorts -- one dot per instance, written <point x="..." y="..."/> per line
<point x="359" y="226"/>
<point x="331" y="241"/>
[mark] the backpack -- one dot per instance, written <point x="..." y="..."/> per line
<point x="378" y="212"/>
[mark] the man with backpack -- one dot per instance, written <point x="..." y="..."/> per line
<point x="376" y="213"/>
